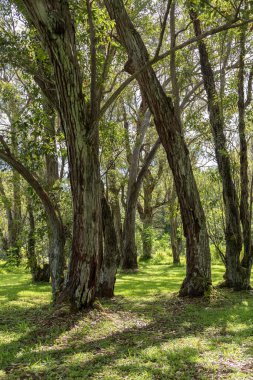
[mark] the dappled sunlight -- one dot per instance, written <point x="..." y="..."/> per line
<point x="145" y="332"/>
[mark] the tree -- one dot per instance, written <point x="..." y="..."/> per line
<point x="235" y="275"/>
<point x="198" y="277"/>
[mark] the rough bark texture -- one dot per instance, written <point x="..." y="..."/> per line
<point x="198" y="276"/>
<point x="110" y="253"/>
<point x="234" y="276"/>
<point x="53" y="21"/>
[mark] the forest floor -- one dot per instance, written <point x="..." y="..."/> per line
<point x="145" y="333"/>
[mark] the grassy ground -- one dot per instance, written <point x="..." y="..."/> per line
<point x="146" y="332"/>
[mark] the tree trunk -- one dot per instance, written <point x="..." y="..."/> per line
<point x="38" y="274"/>
<point x="146" y="216"/>
<point x="17" y="218"/>
<point x="233" y="230"/>
<point x="147" y="238"/>
<point x="81" y="133"/>
<point x="116" y="213"/>
<point x="53" y="215"/>
<point x="245" y="206"/>
<point x="129" y="251"/>
<point x="175" y="238"/>
<point x="56" y="236"/>
<point x="198" y="275"/>
<point x="110" y="253"/>
<point x="4" y="241"/>
<point x="31" y="255"/>
<point x="115" y="207"/>
<point x="13" y="249"/>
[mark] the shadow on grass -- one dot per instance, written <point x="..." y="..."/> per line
<point x="153" y="347"/>
<point x="135" y="337"/>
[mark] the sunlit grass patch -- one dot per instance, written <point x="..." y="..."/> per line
<point x="146" y="332"/>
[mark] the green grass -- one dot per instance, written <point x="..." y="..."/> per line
<point x="145" y="333"/>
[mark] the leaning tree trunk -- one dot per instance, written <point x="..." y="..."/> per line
<point x="81" y="133"/>
<point x="233" y="275"/>
<point x="110" y="253"/>
<point x="53" y="215"/>
<point x="198" y="275"/>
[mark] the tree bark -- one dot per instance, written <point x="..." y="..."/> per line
<point x="81" y="133"/>
<point x="234" y="274"/>
<point x="198" y="276"/>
